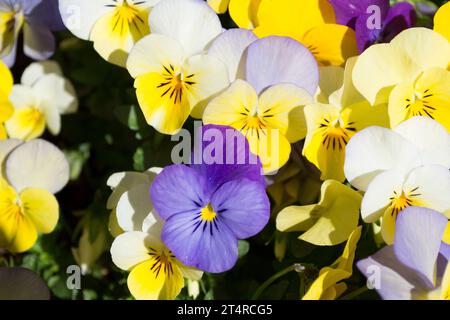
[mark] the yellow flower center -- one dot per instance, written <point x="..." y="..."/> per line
<point x="335" y="134"/>
<point x="33" y="115"/>
<point x="128" y="18"/>
<point x="419" y="104"/>
<point x="208" y="214"/>
<point x="403" y="201"/>
<point x="175" y="84"/>
<point x="161" y="262"/>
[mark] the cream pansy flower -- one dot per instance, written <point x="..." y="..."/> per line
<point x="410" y="73"/>
<point x="39" y="101"/>
<point x="32" y="173"/>
<point x="407" y="166"/>
<point x="173" y="76"/>
<point x="155" y="273"/>
<point x="114" y="26"/>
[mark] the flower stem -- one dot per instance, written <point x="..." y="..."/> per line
<point x="295" y="267"/>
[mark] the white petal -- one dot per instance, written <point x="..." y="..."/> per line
<point x="230" y="47"/>
<point x="57" y="93"/>
<point x="53" y="120"/>
<point x="430" y="137"/>
<point x="23" y="97"/>
<point x="433" y="183"/>
<point x="129" y="249"/>
<point x="191" y="22"/>
<point x="37" y="164"/>
<point x="79" y="16"/>
<point x="152" y="52"/>
<point x="6" y="146"/>
<point x="374" y="150"/>
<point x="378" y="195"/>
<point x="37" y="70"/>
<point x="133" y="207"/>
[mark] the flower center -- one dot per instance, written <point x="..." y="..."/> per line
<point x="162" y="261"/>
<point x="175" y="84"/>
<point x="128" y="19"/>
<point x="420" y="105"/>
<point x="403" y="201"/>
<point x="335" y="133"/>
<point x="208" y="213"/>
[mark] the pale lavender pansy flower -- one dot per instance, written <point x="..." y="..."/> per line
<point x="207" y="208"/>
<point x="266" y="62"/>
<point x="37" y="19"/>
<point x="416" y="265"/>
<point x="374" y="21"/>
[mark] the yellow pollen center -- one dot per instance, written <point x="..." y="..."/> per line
<point x="398" y="203"/>
<point x="207" y="213"/>
<point x="420" y="104"/>
<point x="128" y="18"/>
<point x="335" y="134"/>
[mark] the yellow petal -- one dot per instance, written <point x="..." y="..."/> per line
<point x="245" y="13"/>
<point x="17" y="231"/>
<point x="292" y="18"/>
<point x="331" y="79"/>
<point x="6" y="110"/>
<point x="442" y="21"/>
<point x="7" y="81"/>
<point x="388" y="224"/>
<point x="331" y="44"/>
<point x="446" y="237"/>
<point x="41" y="207"/>
<point x="429" y="96"/>
<point x="116" y="33"/>
<point x="328" y="278"/>
<point x="281" y="107"/>
<point x="297" y="218"/>
<point x="219" y="6"/>
<point x="445" y="291"/>
<point x="345" y="262"/>
<point x="338" y="215"/>
<point x="26" y="124"/>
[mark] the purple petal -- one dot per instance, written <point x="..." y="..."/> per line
<point x="243" y="206"/>
<point x="208" y="246"/>
<point x="445" y="250"/>
<point x="400" y="17"/>
<point x="222" y="154"/>
<point x="347" y="11"/>
<point x="39" y="43"/>
<point x="22" y="284"/>
<point x="10" y="59"/>
<point x="273" y="60"/>
<point x="47" y="14"/>
<point x="391" y="279"/>
<point x="418" y="239"/>
<point x="178" y="189"/>
<point x="367" y="33"/>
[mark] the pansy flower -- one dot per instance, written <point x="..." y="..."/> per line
<point x="407" y="166"/>
<point x="281" y="76"/>
<point x="329" y="285"/>
<point x="374" y="21"/>
<point x="311" y="22"/>
<point x="416" y="266"/>
<point x="32" y="173"/>
<point x="442" y="21"/>
<point x="410" y="73"/>
<point x="40" y="100"/>
<point x="173" y="76"/>
<point x="155" y="273"/>
<point x="208" y="207"/>
<point x="6" y="109"/>
<point x="114" y="26"/>
<point x="327" y="223"/>
<point x="37" y="19"/>
<point x="243" y="12"/>
<point x="337" y="114"/>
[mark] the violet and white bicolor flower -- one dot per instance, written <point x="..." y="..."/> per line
<point x="207" y="208"/>
<point x="374" y="21"/>
<point x="416" y="266"/>
<point x="37" y="19"/>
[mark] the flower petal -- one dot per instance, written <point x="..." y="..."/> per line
<point x="41" y="207"/>
<point x="39" y="42"/>
<point x="129" y="249"/>
<point x="441" y="21"/>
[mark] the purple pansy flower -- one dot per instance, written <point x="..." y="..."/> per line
<point x="207" y="208"/>
<point x="360" y="16"/>
<point x="37" y="18"/>
<point x="416" y="266"/>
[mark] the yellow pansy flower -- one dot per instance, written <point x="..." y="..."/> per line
<point x="442" y="21"/>
<point x="328" y="222"/>
<point x="410" y="73"/>
<point x="174" y="78"/>
<point x="243" y="12"/>
<point x="113" y="26"/>
<point x="313" y="23"/>
<point x="39" y="101"/>
<point x="339" y="112"/>
<point x="34" y="171"/>
<point x="328" y="285"/>
<point x="6" y="109"/>
<point x="271" y="121"/>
